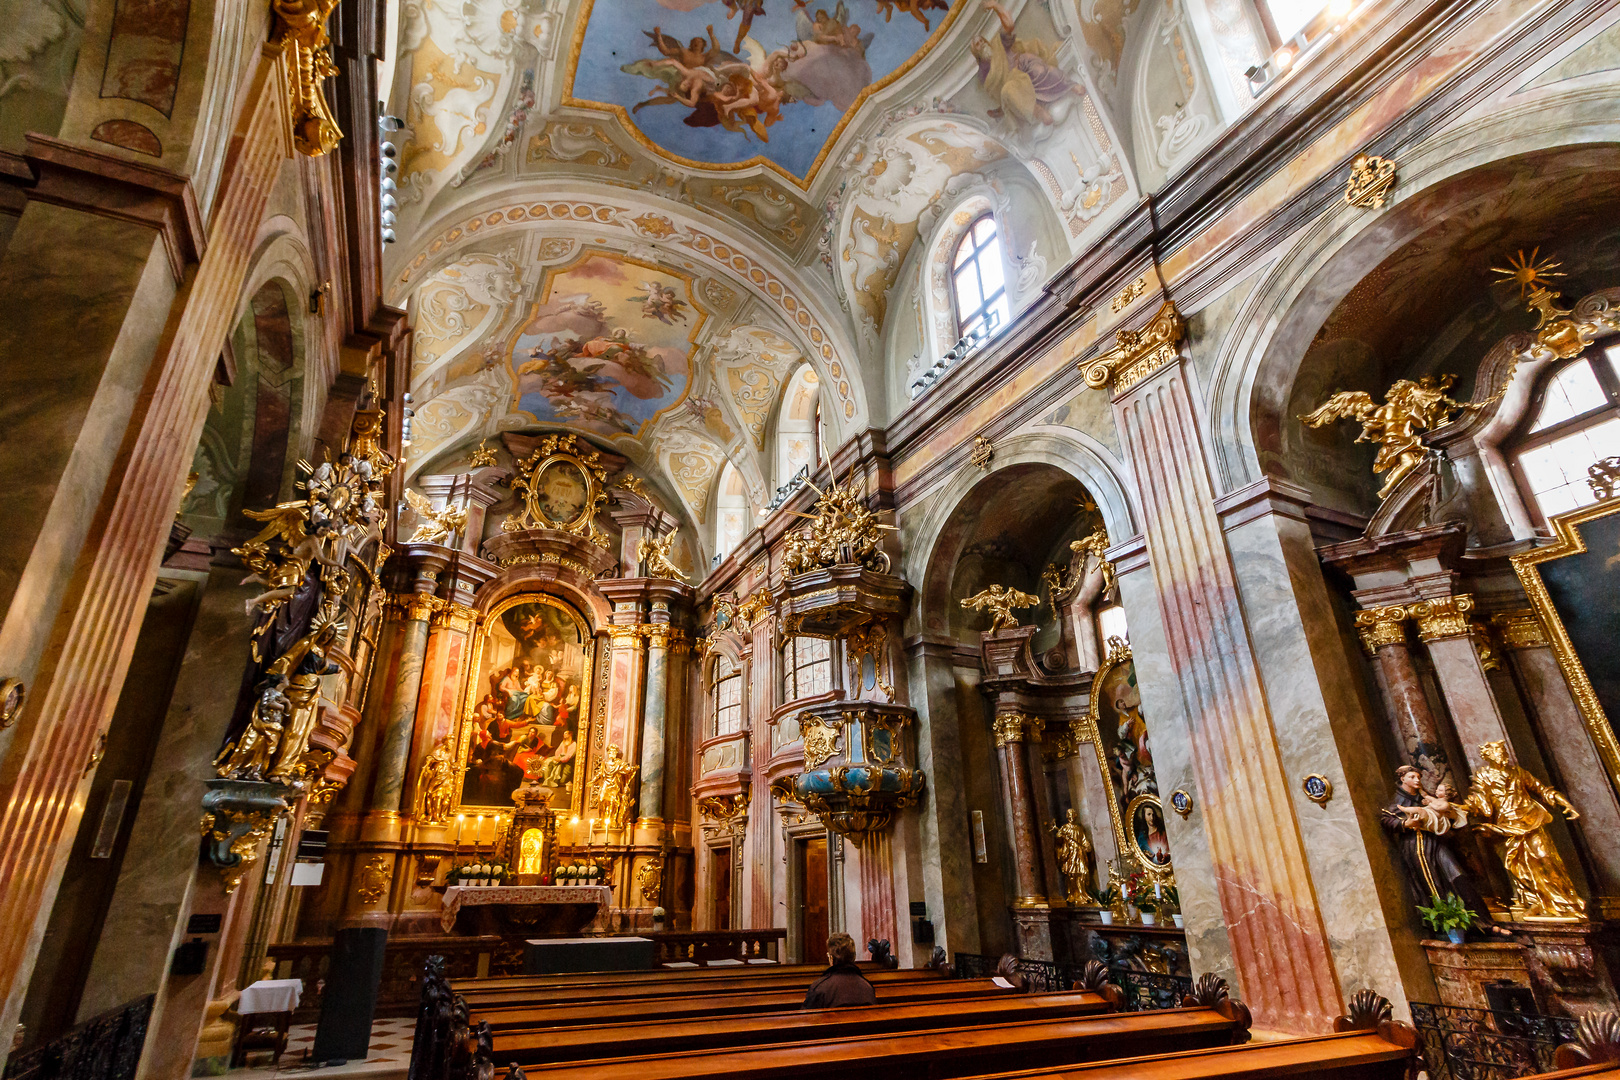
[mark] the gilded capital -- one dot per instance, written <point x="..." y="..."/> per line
<point x="1381" y="626"/>
<point x="1137" y="353"/>
<point x="419" y="607"/>
<point x="1014" y="727"/>
<point x="1520" y="630"/>
<point x="1445" y="617"/>
<point x="457" y="617"/>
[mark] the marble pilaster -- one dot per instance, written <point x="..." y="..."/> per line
<point x="1014" y="732"/>
<point x="651" y="805"/>
<point x="1447" y="630"/>
<point x="399" y="727"/>
<point x="875" y="856"/>
<point x="1279" y="942"/>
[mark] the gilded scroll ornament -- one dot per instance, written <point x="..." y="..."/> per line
<point x="999" y="602"/>
<point x="650" y="878"/>
<point x="1137" y="353"/>
<point x="1603" y="476"/>
<point x="1123" y="298"/>
<point x="435" y="785"/>
<point x="483" y="457"/>
<point x="751" y="610"/>
<point x="301" y="33"/>
<point x="842" y="531"/>
<point x="1560" y="333"/>
<point x="653" y="553"/>
<point x="1506" y="801"/>
<point x="1371" y="178"/>
<point x="436" y="526"/>
<point x="1072" y="848"/>
<point x="374" y="878"/>
<point x="1381" y="626"/>
<point x="1410" y="410"/>
<point x="983" y="453"/>
<point x="610" y="788"/>
<point x="820" y="739"/>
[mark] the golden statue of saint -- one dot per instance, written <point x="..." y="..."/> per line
<point x="1072" y="848"/>
<point x="433" y="784"/>
<point x="251" y="754"/>
<point x="612" y="787"/>
<point x="1410" y="410"/>
<point x="654" y="553"/>
<point x="1506" y="801"/>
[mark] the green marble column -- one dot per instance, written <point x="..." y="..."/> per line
<point x="394" y="756"/>
<point x="652" y="726"/>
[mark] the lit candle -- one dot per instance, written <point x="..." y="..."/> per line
<point x="1158" y="890"/>
<point x="461" y="819"/>
<point x="573" y="832"/>
<point x="478" y="831"/>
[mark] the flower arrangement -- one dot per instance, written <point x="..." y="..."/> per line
<point x="1450" y="915"/>
<point x="480" y="874"/>
<point x="585" y="873"/>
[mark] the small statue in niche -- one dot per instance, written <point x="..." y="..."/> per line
<point x="1507" y="801"/>
<point x="653" y="553"/>
<point x="433" y="782"/>
<point x="249" y="756"/>
<point x="1072" y="848"/>
<point x="1000" y="602"/>
<point x="612" y="787"/>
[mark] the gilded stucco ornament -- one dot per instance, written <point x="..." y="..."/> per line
<point x="12" y="695"/>
<point x="561" y="485"/>
<point x="1371" y="178"/>
<point x="1603" y="476"/>
<point x="1560" y="333"/>
<point x="842" y="531"/>
<point x="820" y="739"/>
<point x="983" y="453"/>
<point x="999" y="603"/>
<point x="650" y="878"/>
<point x="375" y="876"/>
<point x="301" y="33"/>
<point x="1411" y="409"/>
<point x="236" y="816"/>
<point x="436" y="526"/>
<point x="1137" y="353"/>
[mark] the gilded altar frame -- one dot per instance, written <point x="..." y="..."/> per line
<point x="1568" y="542"/>
<point x="1090" y="730"/>
<point x="473" y="690"/>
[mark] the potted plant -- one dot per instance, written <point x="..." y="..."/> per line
<point x="1171" y="902"/>
<point x="497" y="873"/>
<point x="1450" y="915"/>
<point x="1108" y="898"/>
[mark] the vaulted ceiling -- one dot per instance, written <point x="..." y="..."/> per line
<point x="636" y="218"/>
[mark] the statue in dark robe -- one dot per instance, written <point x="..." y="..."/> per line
<point x="1433" y="867"/>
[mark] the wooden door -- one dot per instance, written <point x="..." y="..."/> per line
<point x="813" y="928"/>
<point x="720" y="887"/>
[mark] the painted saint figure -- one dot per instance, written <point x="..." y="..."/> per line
<point x="1021" y="74"/>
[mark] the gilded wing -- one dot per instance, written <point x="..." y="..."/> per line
<point x="419" y="502"/>
<point x="285" y="520"/>
<point x="980" y="601"/>
<point x="1345" y="405"/>
<point x="1017" y="598"/>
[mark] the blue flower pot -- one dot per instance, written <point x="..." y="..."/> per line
<point x="1456" y="936"/>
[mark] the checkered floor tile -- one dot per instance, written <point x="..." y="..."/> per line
<point x="388" y="1054"/>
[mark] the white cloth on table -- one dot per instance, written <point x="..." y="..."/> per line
<point x="682" y="964"/>
<point x="271" y="996"/>
<point x="764" y="960"/>
<point x="731" y="962"/>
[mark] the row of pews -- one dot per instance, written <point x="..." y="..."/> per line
<point x="747" y="1024"/>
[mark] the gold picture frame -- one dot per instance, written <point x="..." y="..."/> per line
<point x="1534" y="568"/>
<point x="479" y="691"/>
<point x="1121" y="808"/>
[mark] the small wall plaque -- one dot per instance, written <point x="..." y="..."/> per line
<point x="1318" y="788"/>
<point x="1181" y="802"/>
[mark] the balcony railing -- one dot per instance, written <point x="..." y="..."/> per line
<point x="105" y="1047"/>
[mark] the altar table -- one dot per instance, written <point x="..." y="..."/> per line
<point x="527" y="905"/>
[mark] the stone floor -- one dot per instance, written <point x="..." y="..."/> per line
<point x="389" y="1055"/>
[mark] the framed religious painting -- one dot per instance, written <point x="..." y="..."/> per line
<point x="1573" y="584"/>
<point x="527" y="712"/>
<point x="1125" y="758"/>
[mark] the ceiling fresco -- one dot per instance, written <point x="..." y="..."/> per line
<point x="637" y="219"/>
<point x="731" y="82"/>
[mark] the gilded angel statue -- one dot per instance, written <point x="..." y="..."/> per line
<point x="437" y="526"/>
<point x="1410" y="410"/>
<point x="654" y="551"/>
<point x="999" y="602"/>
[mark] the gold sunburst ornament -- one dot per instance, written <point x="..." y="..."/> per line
<point x="1556" y="330"/>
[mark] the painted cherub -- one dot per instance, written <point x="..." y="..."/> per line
<point x="1000" y="602"/>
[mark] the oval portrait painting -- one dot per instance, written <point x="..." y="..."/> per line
<point x="561" y="492"/>
<point x="1147" y="831"/>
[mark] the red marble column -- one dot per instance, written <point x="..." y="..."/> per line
<point x="1013" y="731"/>
<point x="1383" y="633"/>
<point x="1279" y="943"/>
<point x="877" y="888"/>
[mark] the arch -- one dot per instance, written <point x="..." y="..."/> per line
<point x="731" y="518"/>
<point x="568" y="585"/>
<point x="1060" y="449"/>
<point x="794" y="444"/>
<point x="1256" y="367"/>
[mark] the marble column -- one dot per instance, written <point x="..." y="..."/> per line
<point x="1568" y="742"/>
<point x="394" y="753"/>
<point x="1013" y="732"/>
<point x="876" y="874"/>
<point x="1406" y="700"/>
<point x="439" y="697"/>
<point x="626" y="671"/>
<point x="1448" y="632"/>
<point x="651" y="805"/>
<point x="1276" y="926"/>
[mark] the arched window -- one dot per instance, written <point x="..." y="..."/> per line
<point x="796" y="424"/>
<point x="1573" y="422"/>
<point x="806" y="667"/>
<point x="731" y="518"/>
<point x="727" y="698"/>
<point x="980" y="281"/>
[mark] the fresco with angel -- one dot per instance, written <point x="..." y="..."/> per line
<point x="609" y="345"/>
<point x="725" y="81"/>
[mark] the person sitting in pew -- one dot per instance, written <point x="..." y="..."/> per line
<point x="842" y="983"/>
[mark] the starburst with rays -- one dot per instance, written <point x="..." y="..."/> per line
<point x="1530" y="272"/>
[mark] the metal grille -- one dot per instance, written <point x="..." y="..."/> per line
<point x="1144" y="990"/>
<point x="105" y="1047"/>
<point x="1484" y="1044"/>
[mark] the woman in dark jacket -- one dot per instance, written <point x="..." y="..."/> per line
<point x="842" y="983"/>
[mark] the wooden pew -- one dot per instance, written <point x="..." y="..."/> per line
<point x="1352" y="1055"/>
<point x="600" y="1041"/>
<point x="699" y="1005"/>
<point x="479" y="996"/>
